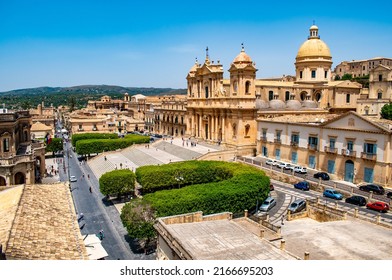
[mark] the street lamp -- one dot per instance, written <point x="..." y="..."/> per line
<point x="179" y="179"/>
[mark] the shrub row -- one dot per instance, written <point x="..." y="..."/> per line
<point x="92" y="146"/>
<point x="240" y="192"/>
<point x="154" y="178"/>
<point x="117" y="182"/>
<point x="84" y="136"/>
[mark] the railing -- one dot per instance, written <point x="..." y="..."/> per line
<point x="369" y="156"/>
<point x="263" y="139"/>
<point x="277" y="141"/>
<point x="312" y="147"/>
<point x="349" y="153"/>
<point x="294" y="144"/>
<point x="330" y="150"/>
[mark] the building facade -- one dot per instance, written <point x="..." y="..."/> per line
<point x="21" y="160"/>
<point x="170" y="116"/>
<point x="360" y="68"/>
<point x="350" y="147"/>
<point x="225" y="110"/>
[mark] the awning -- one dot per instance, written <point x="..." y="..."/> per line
<point x="95" y="250"/>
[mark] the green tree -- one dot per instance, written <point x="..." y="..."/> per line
<point x="386" y="111"/>
<point x="55" y="145"/>
<point x="138" y="218"/>
<point x="117" y="182"/>
<point x="337" y="78"/>
<point x="347" y="77"/>
<point x="72" y="104"/>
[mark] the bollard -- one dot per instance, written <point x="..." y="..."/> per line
<point x="336" y="205"/>
<point x="378" y="219"/>
<point x="246" y="214"/>
<point x="267" y="218"/>
<point x="352" y="190"/>
<point x="356" y="212"/>
<point x="282" y="244"/>
<point x="288" y="215"/>
<point x="334" y="185"/>
<point x="370" y="195"/>
<point x="262" y="233"/>
<point x="231" y="216"/>
<point x="306" y="257"/>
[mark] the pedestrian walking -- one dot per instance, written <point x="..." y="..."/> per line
<point x="88" y="176"/>
<point x="90" y="189"/>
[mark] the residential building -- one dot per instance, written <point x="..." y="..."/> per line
<point x="349" y="146"/>
<point x="360" y="68"/>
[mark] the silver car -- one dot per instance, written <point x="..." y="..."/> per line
<point x="297" y="206"/>
<point x="267" y="204"/>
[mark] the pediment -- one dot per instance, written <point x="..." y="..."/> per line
<point x="353" y="121"/>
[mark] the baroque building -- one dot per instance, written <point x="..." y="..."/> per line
<point x="21" y="160"/>
<point x="360" y="68"/>
<point x="225" y="110"/>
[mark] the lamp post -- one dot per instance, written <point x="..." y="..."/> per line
<point x="179" y="179"/>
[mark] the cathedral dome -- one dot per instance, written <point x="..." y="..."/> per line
<point x="242" y="57"/>
<point x="314" y="46"/>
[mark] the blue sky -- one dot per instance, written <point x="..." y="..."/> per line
<point x="155" y="43"/>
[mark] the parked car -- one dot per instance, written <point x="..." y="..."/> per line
<point x="271" y="162"/>
<point x="73" y="179"/>
<point x="323" y="175"/>
<point x="356" y="200"/>
<point x="300" y="169"/>
<point x="378" y="206"/>
<point x="331" y="193"/>
<point x="267" y="204"/>
<point x="289" y="166"/>
<point x="303" y="185"/>
<point x="281" y="164"/>
<point x="297" y="206"/>
<point x="389" y="194"/>
<point x="372" y="187"/>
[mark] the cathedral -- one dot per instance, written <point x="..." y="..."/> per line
<point x="225" y="111"/>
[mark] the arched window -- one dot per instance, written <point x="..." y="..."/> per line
<point x="6" y="145"/>
<point x="247" y="87"/>
<point x="270" y="95"/>
<point x="379" y="95"/>
<point x="287" y="96"/>
<point x="317" y="96"/>
<point x="303" y="95"/>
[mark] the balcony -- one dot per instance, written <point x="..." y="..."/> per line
<point x="368" y="156"/>
<point x="80" y="129"/>
<point x="277" y="141"/>
<point x="312" y="147"/>
<point x="330" y="150"/>
<point x="349" y="153"/>
<point x="263" y="139"/>
<point x="294" y="144"/>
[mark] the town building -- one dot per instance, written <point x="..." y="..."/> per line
<point x="379" y="93"/>
<point x="349" y="146"/>
<point x="214" y="237"/>
<point x="360" y="68"/>
<point x="22" y="161"/>
<point x="170" y="115"/>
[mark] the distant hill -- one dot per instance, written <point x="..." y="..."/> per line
<point x="31" y="97"/>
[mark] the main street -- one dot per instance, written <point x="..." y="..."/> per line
<point x="98" y="214"/>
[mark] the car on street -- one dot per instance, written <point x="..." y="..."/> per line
<point x="300" y="169"/>
<point x="378" y="206"/>
<point x="73" y="179"/>
<point x="334" y="194"/>
<point x="271" y="162"/>
<point x="281" y="164"/>
<point x="267" y="204"/>
<point x="297" y="206"/>
<point x="289" y="167"/>
<point x="303" y="185"/>
<point x="356" y="200"/>
<point x="323" y="175"/>
<point x="376" y="189"/>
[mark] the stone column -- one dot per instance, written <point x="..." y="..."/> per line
<point x="223" y="130"/>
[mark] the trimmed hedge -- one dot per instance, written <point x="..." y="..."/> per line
<point x="234" y="194"/>
<point x="92" y="146"/>
<point x="117" y="182"/>
<point x="154" y="178"/>
<point x="84" y="136"/>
